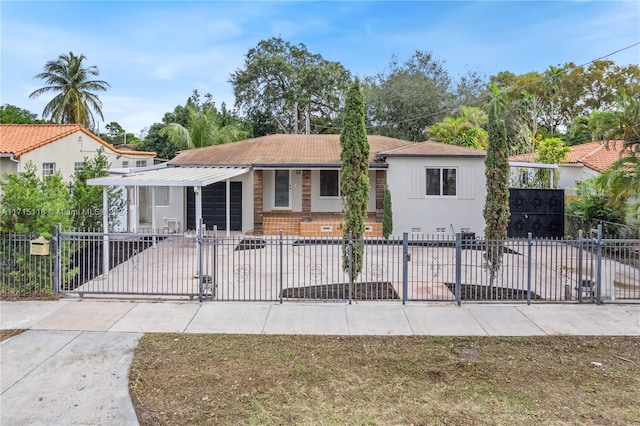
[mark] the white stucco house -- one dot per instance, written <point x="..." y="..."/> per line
<point x="584" y="161"/>
<point x="291" y="183"/>
<point x="59" y="148"/>
<point x="63" y="148"/>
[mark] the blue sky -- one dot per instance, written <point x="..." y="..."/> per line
<point x="155" y="53"/>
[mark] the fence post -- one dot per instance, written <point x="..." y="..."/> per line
<point x="530" y="238"/>
<point x="599" y="266"/>
<point x="200" y="271"/>
<point x="281" y="267"/>
<point x="458" y="267"/>
<point x="580" y="254"/>
<point x="56" y="260"/>
<point x="405" y="266"/>
<point x="350" y="265"/>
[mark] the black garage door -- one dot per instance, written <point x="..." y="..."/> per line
<point x="214" y="206"/>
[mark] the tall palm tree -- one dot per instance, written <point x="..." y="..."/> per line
<point x="75" y="99"/>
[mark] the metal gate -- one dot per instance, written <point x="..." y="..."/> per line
<point x="538" y="211"/>
<point x="128" y="264"/>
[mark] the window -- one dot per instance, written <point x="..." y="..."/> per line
<point x="77" y="166"/>
<point x="162" y="195"/>
<point x="48" y="169"/>
<point x="441" y="182"/>
<point x="329" y="183"/>
<point x="141" y="163"/>
<point x="125" y="164"/>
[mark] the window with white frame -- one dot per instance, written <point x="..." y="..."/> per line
<point x="329" y="183"/>
<point x="125" y="164"/>
<point x="78" y="165"/>
<point x="441" y="182"/>
<point x="141" y="163"/>
<point x="48" y="169"/>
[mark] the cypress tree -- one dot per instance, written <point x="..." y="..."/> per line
<point x="387" y="214"/>
<point x="496" y="208"/>
<point x="354" y="177"/>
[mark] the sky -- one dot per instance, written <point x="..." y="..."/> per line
<point x="155" y="53"/>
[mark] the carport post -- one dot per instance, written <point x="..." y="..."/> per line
<point x="105" y="230"/>
<point x="197" y="191"/>
<point x="153" y="214"/>
<point x="136" y="211"/>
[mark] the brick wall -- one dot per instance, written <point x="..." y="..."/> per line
<point x="381" y="180"/>
<point x="257" y="202"/>
<point x="306" y="195"/>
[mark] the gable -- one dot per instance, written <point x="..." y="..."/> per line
<point x="19" y="139"/>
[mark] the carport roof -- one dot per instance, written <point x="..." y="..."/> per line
<point x="171" y="176"/>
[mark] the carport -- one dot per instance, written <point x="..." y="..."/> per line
<point x="169" y="176"/>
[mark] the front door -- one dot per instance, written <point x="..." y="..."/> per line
<point x="282" y="186"/>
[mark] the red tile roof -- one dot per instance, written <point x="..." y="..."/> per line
<point x="308" y="150"/>
<point x="597" y="156"/>
<point x="18" y="139"/>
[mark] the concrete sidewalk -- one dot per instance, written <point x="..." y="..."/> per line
<point x="71" y="366"/>
<point x="370" y="318"/>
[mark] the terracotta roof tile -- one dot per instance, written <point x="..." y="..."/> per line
<point x="306" y="150"/>
<point x="18" y="139"/>
<point x="597" y="156"/>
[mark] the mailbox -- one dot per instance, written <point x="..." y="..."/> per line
<point x="39" y="246"/>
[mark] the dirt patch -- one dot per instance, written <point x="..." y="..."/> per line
<point x="5" y="334"/>
<point x="257" y="379"/>
<point x="360" y="291"/>
<point x="476" y="292"/>
<point x="251" y="244"/>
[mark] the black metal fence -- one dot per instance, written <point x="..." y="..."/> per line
<point x="23" y="274"/>
<point x="250" y="268"/>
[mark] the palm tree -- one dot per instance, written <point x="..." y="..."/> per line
<point x="75" y="98"/>
<point x="204" y="129"/>
<point x="622" y="181"/>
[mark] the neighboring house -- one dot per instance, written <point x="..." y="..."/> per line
<point x="63" y="148"/>
<point x="59" y="147"/>
<point x="583" y="162"/>
<point x="291" y="183"/>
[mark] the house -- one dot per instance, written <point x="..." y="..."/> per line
<point x="59" y="147"/>
<point x="584" y="161"/>
<point x="63" y="148"/>
<point x="292" y="183"/>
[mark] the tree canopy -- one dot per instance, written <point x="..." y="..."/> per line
<point x="300" y="91"/>
<point x="11" y="114"/>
